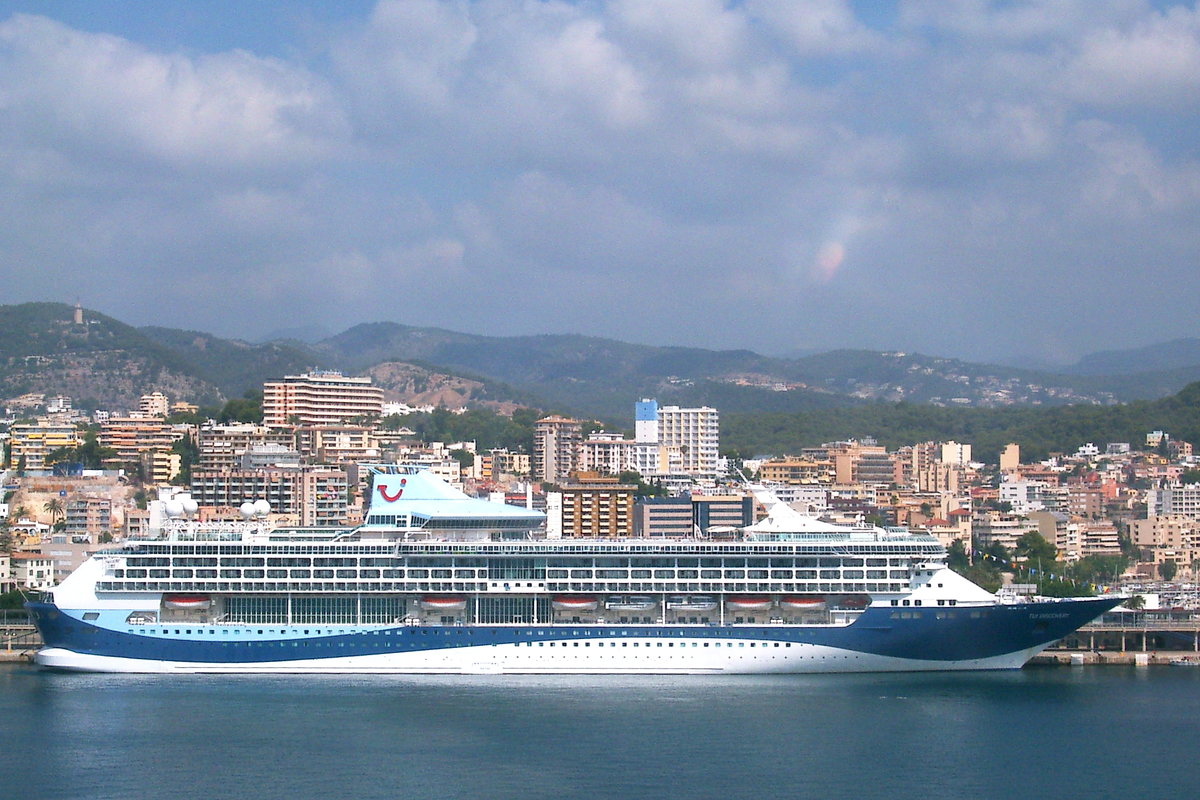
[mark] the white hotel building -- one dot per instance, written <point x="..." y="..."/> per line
<point x="319" y="398"/>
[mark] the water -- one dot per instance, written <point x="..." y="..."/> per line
<point x="1095" y="732"/>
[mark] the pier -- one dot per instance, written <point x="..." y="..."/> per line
<point x="1130" y="637"/>
<point x="19" y="639"/>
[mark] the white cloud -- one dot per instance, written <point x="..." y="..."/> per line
<point x="100" y="96"/>
<point x="1154" y="62"/>
<point x="817" y="27"/>
<point x="772" y="164"/>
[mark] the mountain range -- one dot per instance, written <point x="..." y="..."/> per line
<point x="107" y="363"/>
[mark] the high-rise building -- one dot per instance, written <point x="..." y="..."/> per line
<point x="556" y="443"/>
<point x="696" y="434"/>
<point x="319" y="398"/>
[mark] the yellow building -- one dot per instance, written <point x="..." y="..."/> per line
<point x="36" y="440"/>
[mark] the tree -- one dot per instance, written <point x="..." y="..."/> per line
<point x="189" y="456"/>
<point x="957" y="558"/>
<point x="247" y="408"/>
<point x="1167" y="570"/>
<point x="54" y="507"/>
<point x="1032" y="546"/>
<point x="1135" y="603"/>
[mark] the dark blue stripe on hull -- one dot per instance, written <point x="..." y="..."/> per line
<point x="935" y="634"/>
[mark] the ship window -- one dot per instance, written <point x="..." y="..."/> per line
<point x="91" y="615"/>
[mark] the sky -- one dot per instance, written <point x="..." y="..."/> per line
<point x="996" y="181"/>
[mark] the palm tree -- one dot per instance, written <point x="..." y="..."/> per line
<point x="54" y="507"/>
<point x="1135" y="603"/>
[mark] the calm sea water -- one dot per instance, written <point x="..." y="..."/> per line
<point x="1093" y="732"/>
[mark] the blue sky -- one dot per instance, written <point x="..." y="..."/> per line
<point x="992" y="181"/>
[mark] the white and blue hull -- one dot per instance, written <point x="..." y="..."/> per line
<point x="880" y="640"/>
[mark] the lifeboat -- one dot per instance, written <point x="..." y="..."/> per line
<point x="855" y="602"/>
<point x="187" y="602"/>
<point x="636" y="602"/>
<point x="443" y="602"/>
<point x="806" y="602"/>
<point x="748" y="602"/>
<point x="574" y="603"/>
<point x="695" y="602"/>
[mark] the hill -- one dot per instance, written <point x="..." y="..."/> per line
<point x="107" y="363"/>
<point x="102" y="362"/>
<point x="1040" y="431"/>
<point x="1175" y="355"/>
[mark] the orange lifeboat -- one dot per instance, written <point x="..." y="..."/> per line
<point x="748" y="602"/>
<point x="805" y="602"/>
<point x="187" y="602"/>
<point x="565" y="602"/>
<point x="443" y="602"/>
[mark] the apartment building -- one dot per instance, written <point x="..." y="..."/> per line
<point x="556" y="442"/>
<point x="798" y="471"/>
<point x="132" y="436"/>
<point x="87" y="518"/>
<point x="607" y="453"/>
<point x="337" y="444"/>
<point x="320" y="398"/>
<point x="988" y="527"/>
<point x="31" y="442"/>
<point x="315" y="496"/>
<point x="154" y="404"/>
<point x="1174" y="499"/>
<point x="597" y="506"/>
<point x="221" y="446"/>
<point x="33" y="571"/>
<point x="695" y="433"/>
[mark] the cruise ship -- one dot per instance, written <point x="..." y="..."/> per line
<point x="435" y="581"/>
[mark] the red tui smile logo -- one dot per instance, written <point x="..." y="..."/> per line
<point x="391" y="498"/>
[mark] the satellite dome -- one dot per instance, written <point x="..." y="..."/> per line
<point x="262" y="507"/>
<point x="173" y="508"/>
<point x="190" y="506"/>
<point x="246" y="509"/>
